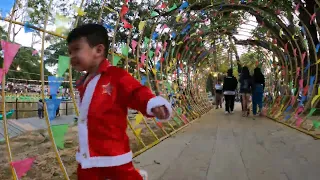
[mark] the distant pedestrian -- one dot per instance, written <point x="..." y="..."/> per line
<point x="257" y="90"/>
<point x="245" y="90"/>
<point x="40" y="109"/>
<point x="229" y="90"/>
<point x="218" y="92"/>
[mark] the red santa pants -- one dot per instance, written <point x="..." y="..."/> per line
<point x="123" y="172"/>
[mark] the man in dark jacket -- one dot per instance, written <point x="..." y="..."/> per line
<point x="229" y="90"/>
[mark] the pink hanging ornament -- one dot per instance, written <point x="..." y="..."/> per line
<point x="297" y="7"/>
<point x="164" y="26"/>
<point x="143" y="58"/>
<point x="186" y="38"/>
<point x="301" y="83"/>
<point x="10" y="50"/>
<point x="303" y="57"/>
<point x="34" y="52"/>
<point x="295" y="52"/>
<point x="157" y="50"/>
<point x="126" y="25"/>
<point x="1" y="74"/>
<point x="299" y="110"/>
<point x="298" y="71"/>
<point x="313" y="17"/>
<point x="299" y="121"/>
<point x="23" y="166"/>
<point x="165" y="45"/>
<point x="293" y="100"/>
<point x="133" y="45"/>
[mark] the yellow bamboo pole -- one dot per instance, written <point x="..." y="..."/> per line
<point x="63" y="169"/>
<point x="3" y="94"/>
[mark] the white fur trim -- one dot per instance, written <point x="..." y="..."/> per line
<point x="83" y="118"/>
<point x="104" y="161"/>
<point x="158" y="101"/>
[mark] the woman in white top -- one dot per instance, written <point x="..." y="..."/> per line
<point x="218" y="88"/>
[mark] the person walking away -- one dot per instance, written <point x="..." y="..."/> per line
<point x="245" y="90"/>
<point x="257" y="90"/>
<point x="229" y="90"/>
<point x="218" y="91"/>
<point x="40" y="109"/>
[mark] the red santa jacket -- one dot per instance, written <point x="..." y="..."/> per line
<point x="102" y="125"/>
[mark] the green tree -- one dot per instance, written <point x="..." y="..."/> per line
<point x="250" y="59"/>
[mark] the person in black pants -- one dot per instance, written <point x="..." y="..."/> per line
<point x="229" y="90"/>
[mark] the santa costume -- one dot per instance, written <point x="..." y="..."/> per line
<point x="104" y="150"/>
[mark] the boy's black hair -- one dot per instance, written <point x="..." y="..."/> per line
<point x="94" y="33"/>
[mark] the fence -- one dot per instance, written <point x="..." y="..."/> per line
<point x="29" y="109"/>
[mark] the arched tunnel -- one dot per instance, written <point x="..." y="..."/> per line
<point x="179" y="49"/>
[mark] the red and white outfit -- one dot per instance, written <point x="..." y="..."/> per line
<point x="104" y="150"/>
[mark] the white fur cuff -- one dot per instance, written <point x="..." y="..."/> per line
<point x="158" y="101"/>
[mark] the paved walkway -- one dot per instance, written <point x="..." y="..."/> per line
<point x="17" y="127"/>
<point x="230" y="147"/>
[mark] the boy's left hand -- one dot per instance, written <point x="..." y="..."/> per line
<point x="161" y="112"/>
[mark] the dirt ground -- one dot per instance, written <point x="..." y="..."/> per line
<point x="37" y="144"/>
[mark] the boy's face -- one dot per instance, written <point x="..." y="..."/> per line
<point x="82" y="56"/>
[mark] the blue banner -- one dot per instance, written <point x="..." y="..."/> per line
<point x="143" y="80"/>
<point x="52" y="106"/>
<point x="54" y="84"/>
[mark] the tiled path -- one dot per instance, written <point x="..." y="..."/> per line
<point x="230" y="147"/>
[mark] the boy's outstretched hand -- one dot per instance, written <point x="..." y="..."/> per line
<point x="161" y="112"/>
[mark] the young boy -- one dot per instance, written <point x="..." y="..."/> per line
<point x="106" y="93"/>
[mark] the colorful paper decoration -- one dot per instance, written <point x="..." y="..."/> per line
<point x="177" y="121"/>
<point x="34" y="52"/>
<point x="59" y="132"/>
<point x="139" y="118"/>
<point x="23" y="166"/>
<point x="10" y="50"/>
<point x="141" y="25"/>
<point x="311" y="112"/>
<point x="27" y="28"/>
<point x="1" y="74"/>
<point x="63" y="65"/>
<point x="151" y="53"/>
<point x="125" y="50"/>
<point x="52" y="106"/>
<point x="316" y="124"/>
<point x="143" y="58"/>
<point x="79" y="11"/>
<point x="299" y="121"/>
<point x="116" y="59"/>
<point x="173" y="7"/>
<point x="61" y="23"/>
<point x="138" y="131"/>
<point x="184" y="5"/>
<point x="143" y="80"/>
<point x="154" y="13"/>
<point x="133" y="45"/>
<point x="54" y="84"/>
